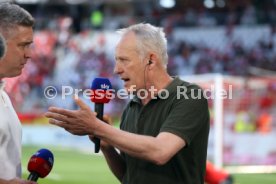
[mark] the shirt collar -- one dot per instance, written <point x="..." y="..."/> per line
<point x="172" y="87"/>
<point x="136" y="99"/>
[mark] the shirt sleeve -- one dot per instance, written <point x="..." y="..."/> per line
<point x="186" y="118"/>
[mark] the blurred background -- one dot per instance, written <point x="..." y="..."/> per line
<point x="226" y="44"/>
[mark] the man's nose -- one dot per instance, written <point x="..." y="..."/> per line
<point x="117" y="69"/>
<point x="27" y="53"/>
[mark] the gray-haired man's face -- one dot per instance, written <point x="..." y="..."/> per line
<point x="18" y="51"/>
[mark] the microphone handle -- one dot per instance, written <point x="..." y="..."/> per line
<point x="99" y="109"/>
<point x="33" y="176"/>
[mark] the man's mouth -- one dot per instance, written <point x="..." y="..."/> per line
<point x="23" y="64"/>
<point x="125" y="79"/>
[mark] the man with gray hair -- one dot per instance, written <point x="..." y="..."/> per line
<point x="161" y="140"/>
<point x="16" y="26"/>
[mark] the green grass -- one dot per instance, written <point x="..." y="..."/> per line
<point x="74" y="167"/>
<point x="255" y="178"/>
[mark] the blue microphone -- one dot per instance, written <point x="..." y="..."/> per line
<point x="101" y="90"/>
<point x="40" y="164"/>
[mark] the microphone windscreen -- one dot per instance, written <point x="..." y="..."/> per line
<point x="101" y="90"/>
<point x="2" y="46"/>
<point x="41" y="162"/>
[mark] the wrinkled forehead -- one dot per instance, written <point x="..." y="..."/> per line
<point x="127" y="43"/>
<point x="23" y="33"/>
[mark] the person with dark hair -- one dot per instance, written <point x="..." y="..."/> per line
<point x="163" y="136"/>
<point x="16" y="26"/>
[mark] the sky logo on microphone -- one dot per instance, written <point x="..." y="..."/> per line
<point x="101" y="90"/>
<point x="105" y="86"/>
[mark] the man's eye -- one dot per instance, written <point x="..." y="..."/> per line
<point x="25" y="46"/>
<point x="125" y="61"/>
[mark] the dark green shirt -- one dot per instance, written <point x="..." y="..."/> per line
<point x="180" y="114"/>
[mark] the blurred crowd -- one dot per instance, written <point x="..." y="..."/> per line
<point x="233" y="59"/>
<point x="65" y="59"/>
<point x="63" y="56"/>
<point x="108" y="15"/>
